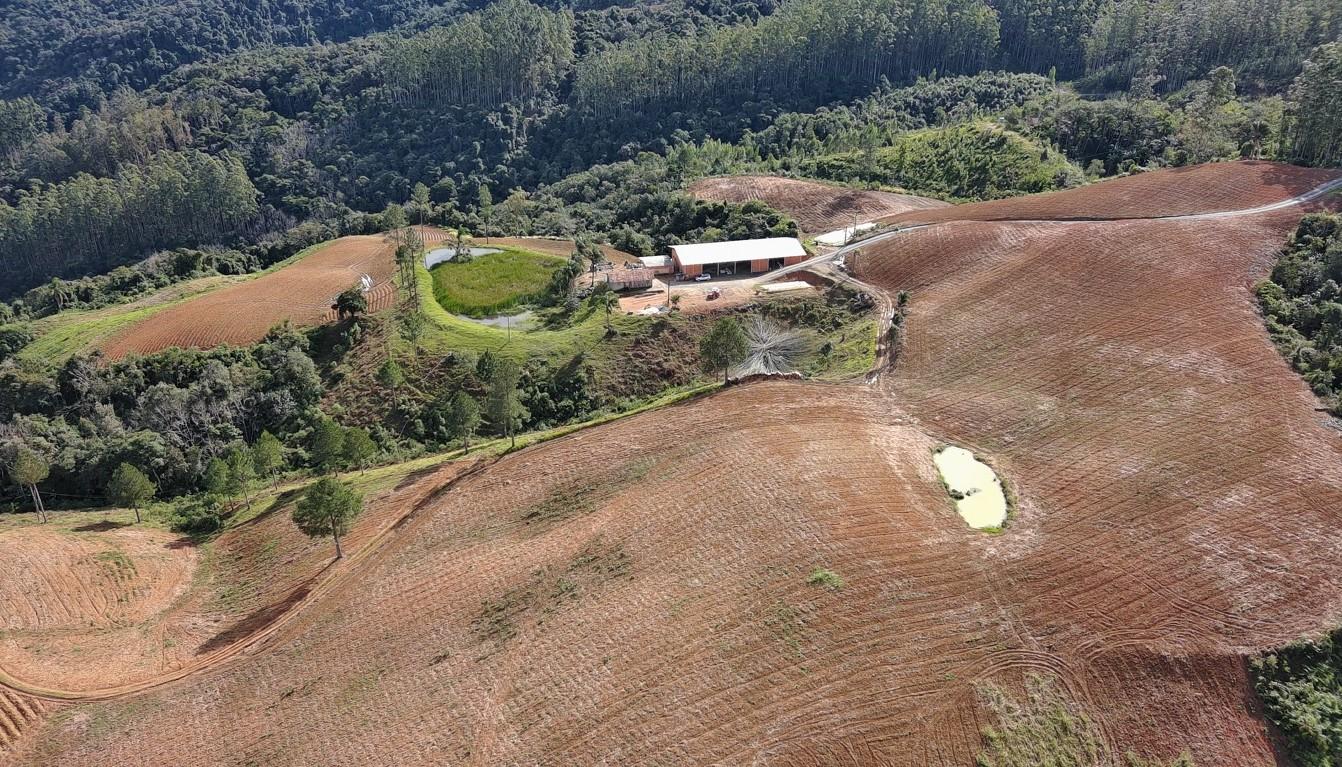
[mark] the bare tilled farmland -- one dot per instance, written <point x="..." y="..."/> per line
<point x="817" y="207"/>
<point x="775" y="574"/>
<point x="1194" y="190"/>
<point x="301" y="292"/>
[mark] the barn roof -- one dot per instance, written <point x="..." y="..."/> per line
<point x="627" y="276"/>
<point x="741" y="250"/>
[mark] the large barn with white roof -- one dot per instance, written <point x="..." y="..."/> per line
<point x="740" y="257"/>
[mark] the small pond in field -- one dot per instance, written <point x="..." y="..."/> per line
<point x="973" y="485"/>
<point x="443" y="255"/>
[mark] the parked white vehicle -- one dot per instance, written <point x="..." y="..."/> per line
<point x="703" y="277"/>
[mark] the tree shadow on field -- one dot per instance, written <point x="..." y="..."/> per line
<point x="283" y="499"/>
<point x="104" y="526"/>
<point x="416" y="476"/>
<point x="263" y="617"/>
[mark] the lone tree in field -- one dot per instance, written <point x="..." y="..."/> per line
<point x="412" y="326"/>
<point x="419" y="195"/>
<point x="241" y="474"/>
<point x="327" y="508"/>
<point x="463" y="418"/>
<point x="486" y="208"/>
<point x="130" y="488"/>
<point x="592" y="253"/>
<point x="608" y="302"/>
<point x="28" y="469"/>
<point x="391" y="375"/>
<point x="393" y="220"/>
<point x="504" y="403"/>
<point x="268" y="456"/>
<point x="351" y="303"/>
<point x="216" y="479"/>
<point x="359" y="448"/>
<point x="724" y="346"/>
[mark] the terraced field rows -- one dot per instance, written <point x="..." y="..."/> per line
<point x="1180" y="494"/>
<point x="642" y="593"/>
<point x="18" y="713"/>
<point x="1193" y="190"/>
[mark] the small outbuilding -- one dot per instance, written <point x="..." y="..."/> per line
<point x="627" y="278"/>
<point x="742" y="256"/>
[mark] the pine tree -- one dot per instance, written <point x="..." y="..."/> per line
<point x="328" y="507"/>
<point x="268" y="456"/>
<point x="129" y="487"/>
<point x="504" y="404"/>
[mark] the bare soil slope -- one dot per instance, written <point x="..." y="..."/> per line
<point x="1180" y="497"/>
<point x="301" y="292"/>
<point x="638" y="593"/>
<point x="89" y="603"/>
<point x="1156" y="194"/>
<point x="817" y="207"/>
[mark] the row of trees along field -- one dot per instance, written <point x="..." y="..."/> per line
<point x="512" y="52"/>
<point x="1145" y="45"/>
<point x="91" y="224"/>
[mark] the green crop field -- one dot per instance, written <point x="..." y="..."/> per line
<point x="493" y="283"/>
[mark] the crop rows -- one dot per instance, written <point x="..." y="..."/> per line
<point x="302" y="293"/>
<point x="1176" y="504"/>
<point x="1170" y="192"/>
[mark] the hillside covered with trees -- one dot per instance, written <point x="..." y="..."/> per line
<point x="329" y="111"/>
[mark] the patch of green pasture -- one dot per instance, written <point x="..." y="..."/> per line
<point x="67" y="333"/>
<point x="493" y="283"/>
<point x="446" y="332"/>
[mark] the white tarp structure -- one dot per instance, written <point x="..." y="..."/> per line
<point x="782" y="287"/>
<point x="841" y="237"/>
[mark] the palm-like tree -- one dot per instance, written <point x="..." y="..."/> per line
<point x="608" y="301"/>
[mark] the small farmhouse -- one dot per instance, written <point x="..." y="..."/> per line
<point x="740" y="257"/>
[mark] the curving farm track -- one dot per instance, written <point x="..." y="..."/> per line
<point x="637" y="593"/>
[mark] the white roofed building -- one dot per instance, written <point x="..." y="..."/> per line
<point x="740" y="257"/>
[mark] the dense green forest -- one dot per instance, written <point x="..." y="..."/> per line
<point x="1303" y="304"/>
<point x="1301" y="688"/>
<point x="974" y="161"/>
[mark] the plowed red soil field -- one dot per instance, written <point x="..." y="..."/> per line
<point x="142" y="602"/>
<point x="638" y="593"/>
<point x="240" y="314"/>
<point x="816" y="207"/>
<point x="1162" y="193"/>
